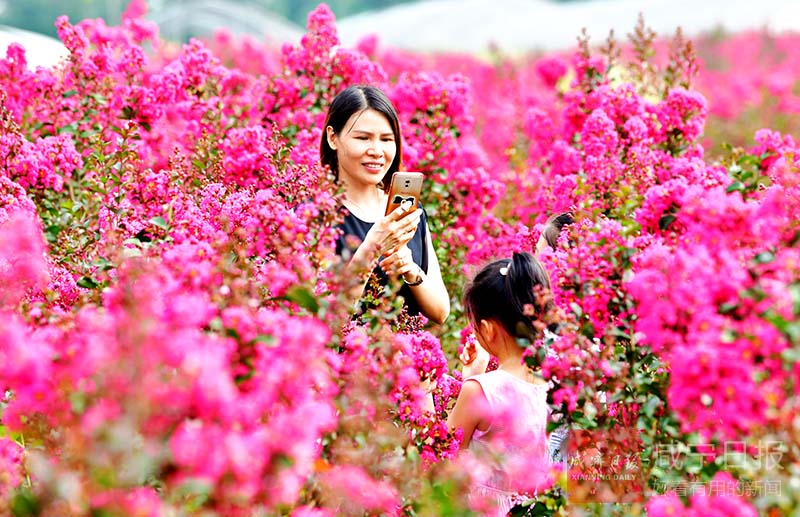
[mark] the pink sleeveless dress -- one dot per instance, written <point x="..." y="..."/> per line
<point x="518" y="432"/>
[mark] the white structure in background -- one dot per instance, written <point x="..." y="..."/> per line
<point x="457" y="25"/>
<point x="40" y="50"/>
<point x="525" y="25"/>
<point x="176" y="21"/>
<point x="181" y="19"/>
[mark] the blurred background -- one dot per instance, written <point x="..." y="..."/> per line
<point x="182" y="18"/>
<point x="471" y="26"/>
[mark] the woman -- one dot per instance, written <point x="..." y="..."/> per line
<point x="549" y="238"/>
<point x="362" y="146"/>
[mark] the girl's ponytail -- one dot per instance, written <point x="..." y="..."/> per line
<point x="509" y="291"/>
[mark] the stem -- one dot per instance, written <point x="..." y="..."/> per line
<point x="27" y="474"/>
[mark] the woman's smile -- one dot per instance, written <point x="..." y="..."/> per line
<point x="374" y="166"/>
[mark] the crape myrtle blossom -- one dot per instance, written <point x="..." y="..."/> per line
<point x="10" y="467"/>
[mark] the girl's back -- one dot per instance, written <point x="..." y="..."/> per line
<point x="518" y="432"/>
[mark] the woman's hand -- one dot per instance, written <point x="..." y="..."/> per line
<point x="395" y="230"/>
<point x="401" y="263"/>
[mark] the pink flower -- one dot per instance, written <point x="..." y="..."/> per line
<point x="11" y="473"/>
<point x="551" y="69"/>
<point x="353" y="490"/>
<point x="138" y="502"/>
<point x="22" y="257"/>
<point x="308" y="511"/>
<point x="667" y="505"/>
<point x="193" y="447"/>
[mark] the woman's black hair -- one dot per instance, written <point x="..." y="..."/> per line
<point x="352" y="100"/>
<point x="509" y="291"/>
<point x="553" y="226"/>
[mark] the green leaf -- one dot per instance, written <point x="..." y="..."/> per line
<point x="303" y="298"/>
<point x="791" y="355"/>
<point x="128" y="113"/>
<point x="651" y="405"/>
<point x="736" y="186"/>
<point x="77" y="400"/>
<point x="728" y="336"/>
<point x="160" y="222"/>
<point x="765" y="257"/>
<point x="216" y="324"/>
<point x="133" y="241"/>
<point x="71" y="129"/>
<point x="793" y="331"/>
<point x="540" y="510"/>
<point x="590" y="410"/>
<point x="194" y="493"/>
<point x="795" y="239"/>
<point x="232" y="332"/>
<point x="25" y="504"/>
<point x="582" y="421"/>
<point x="620" y="333"/>
<point x="412" y="454"/>
<point x="142" y="237"/>
<point x="100" y="98"/>
<point x="88" y="282"/>
<point x="790" y="328"/>
<point x="264" y="338"/>
<point x="51" y="232"/>
<point x="794" y="291"/>
<point x="103" y="264"/>
<point x="665" y="221"/>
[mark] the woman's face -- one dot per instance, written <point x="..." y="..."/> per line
<point x="365" y="147"/>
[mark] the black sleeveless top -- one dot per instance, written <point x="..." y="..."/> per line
<point x="354" y="227"/>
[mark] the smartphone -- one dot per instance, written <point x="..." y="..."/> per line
<point x="405" y="186"/>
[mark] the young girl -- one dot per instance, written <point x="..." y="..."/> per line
<point x="505" y="411"/>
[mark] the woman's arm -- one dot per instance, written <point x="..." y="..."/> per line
<point x="431" y="294"/>
<point x="428" y="289"/>
<point x="391" y="232"/>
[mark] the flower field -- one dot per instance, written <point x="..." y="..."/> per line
<point x="174" y="335"/>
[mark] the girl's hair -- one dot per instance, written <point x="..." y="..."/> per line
<point x="352" y="100"/>
<point x="509" y="291"/>
<point x="552" y="228"/>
